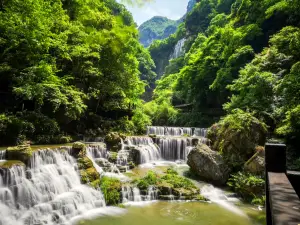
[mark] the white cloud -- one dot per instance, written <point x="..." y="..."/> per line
<point x="173" y="9"/>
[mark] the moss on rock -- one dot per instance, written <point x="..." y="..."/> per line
<point x="112" y="158"/>
<point x="113" y="141"/>
<point x="236" y="137"/>
<point x="78" y="149"/>
<point x="84" y="163"/>
<point x="10" y="163"/>
<point x="20" y="152"/>
<point x="89" y="175"/>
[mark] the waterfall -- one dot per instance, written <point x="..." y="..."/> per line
<point x="200" y="132"/>
<point x="148" y="153"/>
<point x="176" y="131"/>
<point x="174" y="148"/>
<point x="47" y="192"/>
<point x="148" y="150"/>
<point x="152" y="194"/>
<point x="139" y="141"/>
<point x="131" y="194"/>
<point x="2" y="154"/>
<point x="91" y="153"/>
<point x="156" y="130"/>
<point x="97" y="151"/>
<point x="178" y="50"/>
<point x="218" y="196"/>
<point x="113" y="171"/>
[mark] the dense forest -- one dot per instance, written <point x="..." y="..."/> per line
<point x="76" y="68"/>
<point x="69" y="68"/>
<point x="241" y="59"/>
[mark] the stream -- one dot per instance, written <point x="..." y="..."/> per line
<point x="48" y="191"/>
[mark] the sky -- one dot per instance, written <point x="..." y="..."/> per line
<point x="173" y="9"/>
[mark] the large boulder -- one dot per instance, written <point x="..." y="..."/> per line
<point x="236" y="137"/>
<point x="256" y="164"/>
<point x="113" y="141"/>
<point x="78" y="149"/>
<point x="208" y="164"/>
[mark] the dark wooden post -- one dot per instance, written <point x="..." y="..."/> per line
<point x="275" y="161"/>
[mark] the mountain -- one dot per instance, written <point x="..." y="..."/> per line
<point x="158" y="28"/>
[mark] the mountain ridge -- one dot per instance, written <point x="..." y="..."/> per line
<point x="159" y="27"/>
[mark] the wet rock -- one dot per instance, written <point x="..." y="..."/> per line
<point x="113" y="141"/>
<point x="84" y="163"/>
<point x="208" y="164"/>
<point x="78" y="149"/>
<point x="112" y="157"/>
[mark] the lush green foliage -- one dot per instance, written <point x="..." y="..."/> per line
<point x="239" y="55"/>
<point x="111" y="189"/>
<point x="171" y="178"/>
<point x="249" y="187"/>
<point x="66" y="64"/>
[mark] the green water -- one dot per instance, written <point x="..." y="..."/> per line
<point x="175" y="213"/>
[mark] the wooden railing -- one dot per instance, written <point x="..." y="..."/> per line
<point x="282" y="188"/>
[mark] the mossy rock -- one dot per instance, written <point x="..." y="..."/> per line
<point x="10" y="163"/>
<point x="113" y="141"/>
<point x="89" y="175"/>
<point x="152" y="135"/>
<point x="21" y="153"/>
<point x="165" y="188"/>
<point x="236" y="137"/>
<point x="79" y="149"/>
<point x="84" y="163"/>
<point x="131" y="165"/>
<point x="199" y="198"/>
<point x="166" y="197"/>
<point x="112" y="158"/>
<point x="188" y="193"/>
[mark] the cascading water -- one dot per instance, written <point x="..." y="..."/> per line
<point x="48" y="192"/>
<point x="91" y="152"/>
<point x="146" y="147"/>
<point x="156" y="130"/>
<point x="152" y="193"/>
<point x="174" y="148"/>
<point x="200" y="132"/>
<point x="97" y="151"/>
<point x="176" y="131"/>
<point x="218" y="196"/>
<point x="131" y="194"/>
<point x="2" y="154"/>
<point x="178" y="50"/>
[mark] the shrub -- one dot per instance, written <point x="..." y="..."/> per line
<point x="111" y="189"/>
<point x="250" y="187"/>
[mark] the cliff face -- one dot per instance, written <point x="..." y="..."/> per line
<point x="158" y="28"/>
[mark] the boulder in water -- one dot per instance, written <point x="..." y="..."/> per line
<point x="113" y="141"/>
<point x="208" y="164"/>
<point x="78" y="149"/>
<point x="256" y="164"/>
<point x="21" y="153"/>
